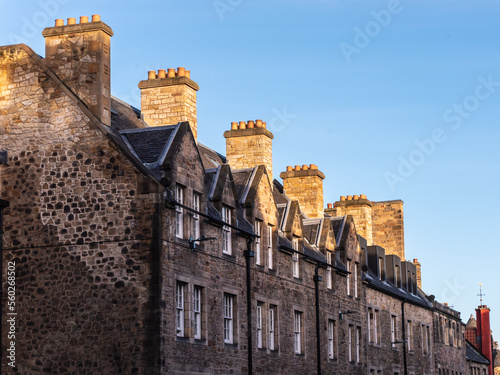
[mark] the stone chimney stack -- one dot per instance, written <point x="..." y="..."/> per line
<point x="80" y="56"/>
<point x="388" y="226"/>
<point x="361" y="210"/>
<point x="249" y="144"/>
<point x="305" y="185"/>
<point x="169" y="97"/>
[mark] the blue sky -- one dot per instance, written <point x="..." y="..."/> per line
<point x="392" y="99"/>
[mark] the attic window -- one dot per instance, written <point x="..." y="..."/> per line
<point x="381" y="268"/>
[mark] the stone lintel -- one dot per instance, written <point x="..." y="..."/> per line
<point x="248" y="132"/>
<point x="302" y="173"/>
<point x="78" y="28"/>
<point x="169" y="81"/>
<point x="355" y="202"/>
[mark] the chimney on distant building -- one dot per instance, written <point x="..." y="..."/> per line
<point x="361" y="210"/>
<point x="79" y="54"/>
<point x="305" y="185"/>
<point x="388" y="227"/>
<point x="483" y="341"/>
<point x="249" y="144"/>
<point x="169" y="97"/>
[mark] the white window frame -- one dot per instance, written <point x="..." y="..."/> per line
<point x="272" y="322"/>
<point x="228" y="318"/>
<point x="409" y="335"/>
<point x="270" y="264"/>
<point x="331" y="339"/>
<point x="394" y="332"/>
<point x="329" y="270"/>
<point x="196" y="217"/>
<point x="295" y="258"/>
<point x="348" y="278"/>
<point x="179" y="308"/>
<point x="226" y="231"/>
<point x="258" y="232"/>
<point x="297" y="332"/>
<point x="179" y="212"/>
<point x="349" y="340"/>
<point x="197" y="310"/>
<point x="259" y="325"/>
<point x="375" y="326"/>
<point x="370" y="324"/>
<point x="358" y="344"/>
<point x="356" y="266"/>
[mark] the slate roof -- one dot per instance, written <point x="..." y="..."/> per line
<point x="313" y="253"/>
<point x="210" y="158"/>
<point x="389" y="288"/>
<point x="149" y="144"/>
<point x="474" y="355"/>
<point x="125" y="116"/>
<point x="472" y="322"/>
<point x="310" y="229"/>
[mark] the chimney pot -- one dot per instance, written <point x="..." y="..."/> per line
<point x="289" y="168"/>
<point x="188" y="73"/>
<point x="96" y="18"/>
<point x="151" y="74"/>
<point x="181" y="72"/>
<point x="259" y="123"/>
<point x="234" y="126"/>
<point x="349" y="197"/>
<point x="264" y="124"/>
<point x="314" y="166"/>
<point x="297" y="167"/>
<point x="84" y="19"/>
<point x="362" y="196"/>
<point x="305" y="167"/>
<point x="171" y="73"/>
<point x="161" y="73"/>
<point x="355" y="197"/>
<point x="250" y="124"/>
<point x="342" y="198"/>
<point x="71" y="21"/>
<point x="446" y="303"/>
<point x="59" y="22"/>
<point x="329" y="205"/>
<point x="415" y="260"/>
<point x="243" y="125"/>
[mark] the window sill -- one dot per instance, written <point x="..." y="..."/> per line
<point x="182" y="338"/>
<point x="200" y="341"/>
<point x="231" y="346"/>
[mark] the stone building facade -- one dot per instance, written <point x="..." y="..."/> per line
<point x="138" y="250"/>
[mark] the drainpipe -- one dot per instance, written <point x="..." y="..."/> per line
<point x="404" y="335"/>
<point x="248" y="253"/>
<point x="3" y="204"/>
<point x="317" y="279"/>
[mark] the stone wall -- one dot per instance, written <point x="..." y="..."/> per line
<point x="78" y="229"/>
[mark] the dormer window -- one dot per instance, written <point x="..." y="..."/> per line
<point x="179" y="214"/>
<point x="226" y="230"/>
<point x="295" y="258"/>
<point x="381" y="268"/>
<point x="397" y="280"/>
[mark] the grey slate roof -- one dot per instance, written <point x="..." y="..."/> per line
<point x="149" y="144"/>
<point x="125" y="116"/>
<point x="474" y="355"/>
<point x="210" y="158"/>
<point x="389" y="288"/>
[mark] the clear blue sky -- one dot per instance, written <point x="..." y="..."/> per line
<point x="392" y="99"/>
